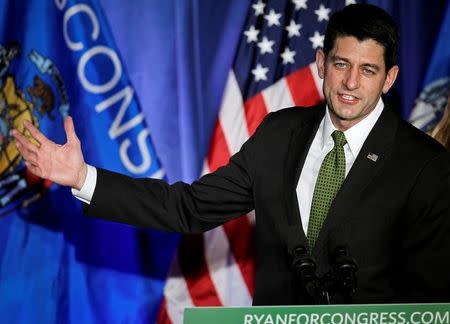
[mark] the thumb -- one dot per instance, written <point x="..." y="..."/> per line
<point x="70" y="130"/>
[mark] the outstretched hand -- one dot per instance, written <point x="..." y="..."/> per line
<point x="62" y="164"/>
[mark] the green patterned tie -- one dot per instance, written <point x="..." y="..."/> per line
<point x="329" y="180"/>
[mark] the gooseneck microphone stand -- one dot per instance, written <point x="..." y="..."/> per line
<point x="339" y="281"/>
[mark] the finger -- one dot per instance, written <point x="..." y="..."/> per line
<point x="17" y="135"/>
<point x="25" y="142"/>
<point x="27" y="154"/>
<point x="70" y="130"/>
<point x="36" y="133"/>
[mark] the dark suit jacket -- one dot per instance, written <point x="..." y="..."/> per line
<point x="392" y="214"/>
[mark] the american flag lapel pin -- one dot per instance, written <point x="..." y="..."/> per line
<point x="372" y="156"/>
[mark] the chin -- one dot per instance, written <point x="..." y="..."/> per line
<point x="344" y="114"/>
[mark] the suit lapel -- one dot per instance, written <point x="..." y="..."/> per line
<point x="300" y="141"/>
<point x="368" y="163"/>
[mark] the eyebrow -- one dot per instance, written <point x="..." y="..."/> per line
<point x="335" y="58"/>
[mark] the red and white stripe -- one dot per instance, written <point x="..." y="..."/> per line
<point x="217" y="268"/>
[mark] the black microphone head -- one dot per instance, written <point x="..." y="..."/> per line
<point x="344" y="269"/>
<point x="343" y="266"/>
<point x="303" y="264"/>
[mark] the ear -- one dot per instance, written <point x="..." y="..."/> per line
<point x="391" y="76"/>
<point x="320" y="62"/>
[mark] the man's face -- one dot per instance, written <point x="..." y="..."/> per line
<point x="354" y="76"/>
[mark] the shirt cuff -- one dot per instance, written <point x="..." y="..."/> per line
<point x="87" y="191"/>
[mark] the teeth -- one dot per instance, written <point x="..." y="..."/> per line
<point x="347" y="97"/>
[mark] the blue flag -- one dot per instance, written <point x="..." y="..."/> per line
<point x="431" y="102"/>
<point x="56" y="266"/>
<point x="178" y="62"/>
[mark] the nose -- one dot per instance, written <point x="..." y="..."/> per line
<point x="351" y="80"/>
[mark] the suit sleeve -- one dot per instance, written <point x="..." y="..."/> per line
<point x="426" y="235"/>
<point x="209" y="202"/>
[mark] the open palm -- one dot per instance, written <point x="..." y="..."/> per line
<point x="62" y="164"/>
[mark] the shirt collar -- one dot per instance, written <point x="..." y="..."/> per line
<point x="355" y="135"/>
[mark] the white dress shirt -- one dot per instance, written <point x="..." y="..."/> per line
<point x="87" y="191"/>
<point x="321" y="145"/>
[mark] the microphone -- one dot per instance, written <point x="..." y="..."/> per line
<point x="343" y="266"/>
<point x="304" y="268"/>
<point x="303" y="264"/>
<point x="339" y="284"/>
<point x="344" y="270"/>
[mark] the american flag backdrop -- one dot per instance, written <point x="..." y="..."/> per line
<point x="273" y="68"/>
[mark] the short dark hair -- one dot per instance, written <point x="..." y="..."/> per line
<point x="365" y="21"/>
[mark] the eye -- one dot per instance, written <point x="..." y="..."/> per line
<point x="340" y="65"/>
<point x="368" y="71"/>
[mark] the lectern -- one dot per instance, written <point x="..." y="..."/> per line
<point x="324" y="314"/>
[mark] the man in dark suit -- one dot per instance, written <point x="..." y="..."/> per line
<point x="332" y="186"/>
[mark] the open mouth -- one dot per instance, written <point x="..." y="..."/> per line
<point x="348" y="99"/>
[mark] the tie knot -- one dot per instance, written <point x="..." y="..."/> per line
<point x="339" y="138"/>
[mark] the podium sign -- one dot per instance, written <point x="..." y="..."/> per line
<point x="323" y="314"/>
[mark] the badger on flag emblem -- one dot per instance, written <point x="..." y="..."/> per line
<point x="18" y="102"/>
